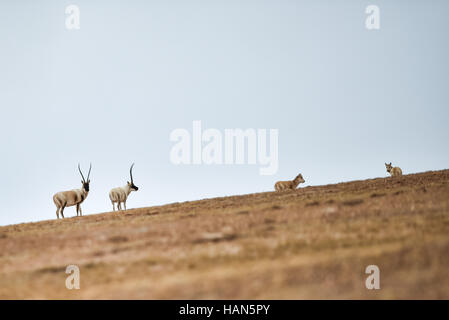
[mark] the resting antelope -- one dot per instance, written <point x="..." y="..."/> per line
<point x="120" y="194"/>
<point x="72" y="197"/>
<point x="284" y="185"/>
<point x="393" y="171"/>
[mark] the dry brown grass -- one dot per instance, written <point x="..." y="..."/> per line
<point x="314" y="242"/>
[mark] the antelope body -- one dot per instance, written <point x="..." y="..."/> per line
<point x="289" y="185"/>
<point x="393" y="171"/>
<point x="120" y="195"/>
<point x="73" y="197"/>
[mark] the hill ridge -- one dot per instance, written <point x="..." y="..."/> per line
<point x="313" y="242"/>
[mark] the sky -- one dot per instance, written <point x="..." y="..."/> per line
<point x="343" y="98"/>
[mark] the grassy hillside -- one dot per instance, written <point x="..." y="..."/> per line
<point x="314" y="242"/>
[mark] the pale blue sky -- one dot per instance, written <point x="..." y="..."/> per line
<point x="344" y="99"/>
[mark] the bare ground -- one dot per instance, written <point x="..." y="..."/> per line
<point x="314" y="242"/>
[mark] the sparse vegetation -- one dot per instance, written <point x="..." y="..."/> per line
<point x="313" y="242"/>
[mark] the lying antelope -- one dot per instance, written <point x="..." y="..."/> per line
<point x="393" y="171"/>
<point x="72" y="197"/>
<point x="292" y="185"/>
<point x="120" y="194"/>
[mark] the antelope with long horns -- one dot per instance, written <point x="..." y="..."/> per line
<point x="120" y="194"/>
<point x="292" y="185"/>
<point x="73" y="197"/>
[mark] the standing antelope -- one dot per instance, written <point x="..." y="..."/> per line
<point x="120" y="194"/>
<point x="72" y="197"/>
<point x="393" y="171"/>
<point x="284" y="185"/>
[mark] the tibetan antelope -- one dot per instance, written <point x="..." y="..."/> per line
<point x="72" y="197"/>
<point x="292" y="185"/>
<point x="393" y="171"/>
<point x="120" y="194"/>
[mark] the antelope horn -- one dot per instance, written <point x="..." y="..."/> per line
<point x="81" y="172"/>
<point x="131" y="173"/>
<point x="88" y="175"/>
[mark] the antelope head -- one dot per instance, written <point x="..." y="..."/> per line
<point x="299" y="178"/>
<point x="388" y="166"/>
<point x="84" y="181"/>
<point x="131" y="184"/>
